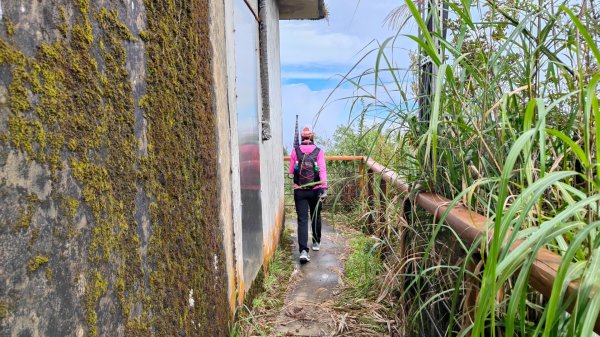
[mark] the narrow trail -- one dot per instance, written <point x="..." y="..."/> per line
<point x="313" y="284"/>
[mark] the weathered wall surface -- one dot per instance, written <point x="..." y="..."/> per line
<point x="226" y="129"/>
<point x="272" y="149"/>
<point x="235" y="265"/>
<point x="109" y="188"/>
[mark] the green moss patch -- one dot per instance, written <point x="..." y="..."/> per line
<point x="73" y="103"/>
<point x="3" y="309"/>
<point x="9" y="26"/>
<point x="49" y="274"/>
<point x="36" y="262"/>
<point x="72" y="108"/>
<point x="180" y="171"/>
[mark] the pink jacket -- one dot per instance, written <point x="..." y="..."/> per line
<point x="306" y="149"/>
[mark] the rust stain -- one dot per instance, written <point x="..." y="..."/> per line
<point x="241" y="290"/>
<point x="270" y="246"/>
<point x="232" y="290"/>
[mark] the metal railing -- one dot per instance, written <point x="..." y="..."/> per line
<point x="469" y="225"/>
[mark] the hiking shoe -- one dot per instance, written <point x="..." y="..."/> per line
<point x="304" y="257"/>
<point x="316" y="246"/>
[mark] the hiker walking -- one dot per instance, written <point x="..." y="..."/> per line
<point x="307" y="164"/>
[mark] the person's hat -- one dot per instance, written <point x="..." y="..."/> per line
<point x="307" y="132"/>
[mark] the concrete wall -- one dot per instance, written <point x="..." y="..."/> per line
<point x="120" y="176"/>
<point x="114" y="201"/>
<point x="272" y="149"/>
<point x="267" y="108"/>
<point x="227" y="128"/>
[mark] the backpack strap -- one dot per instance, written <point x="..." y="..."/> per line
<point x="314" y="154"/>
<point x="301" y="155"/>
<point x="298" y="152"/>
<point x="299" y="158"/>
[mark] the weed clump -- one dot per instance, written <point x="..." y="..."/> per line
<point x="362" y="267"/>
<point x="266" y="305"/>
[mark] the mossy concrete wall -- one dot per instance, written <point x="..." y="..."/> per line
<point x="110" y="195"/>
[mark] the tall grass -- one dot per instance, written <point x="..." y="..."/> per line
<point x="512" y="133"/>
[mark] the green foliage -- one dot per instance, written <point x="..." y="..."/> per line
<point x="510" y="132"/>
<point x="250" y="321"/>
<point x="280" y="267"/>
<point x="374" y="142"/>
<point x="344" y="177"/>
<point x="362" y="267"/>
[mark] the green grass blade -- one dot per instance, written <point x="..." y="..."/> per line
<point x="559" y="287"/>
<point x="577" y="150"/>
<point x="591" y="43"/>
<point x="432" y="52"/>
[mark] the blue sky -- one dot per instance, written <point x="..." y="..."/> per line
<point x="315" y="53"/>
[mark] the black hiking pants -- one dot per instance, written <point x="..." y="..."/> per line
<point x="307" y="204"/>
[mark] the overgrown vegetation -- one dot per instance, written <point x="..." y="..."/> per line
<point x="510" y="131"/>
<point x="362" y="267"/>
<point x="357" y="309"/>
<point x="257" y="319"/>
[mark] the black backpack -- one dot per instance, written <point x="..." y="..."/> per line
<point x="306" y="173"/>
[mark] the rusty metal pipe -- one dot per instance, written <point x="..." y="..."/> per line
<point x="470" y="226"/>
<point x="467" y="224"/>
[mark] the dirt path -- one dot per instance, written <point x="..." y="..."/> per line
<point x="314" y="283"/>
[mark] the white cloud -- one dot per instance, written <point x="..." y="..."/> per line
<point x="339" y="40"/>
<point x="302" y="46"/>
<point x="316" y="51"/>
<point x="299" y="99"/>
